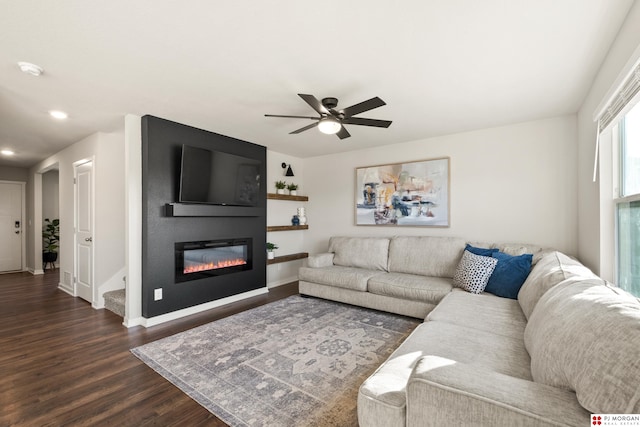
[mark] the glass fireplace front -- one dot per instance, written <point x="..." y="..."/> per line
<point x="197" y="260"/>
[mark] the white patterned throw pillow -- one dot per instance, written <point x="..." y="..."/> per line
<point x="473" y="272"/>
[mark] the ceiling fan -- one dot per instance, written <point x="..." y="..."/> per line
<point x="332" y="121"/>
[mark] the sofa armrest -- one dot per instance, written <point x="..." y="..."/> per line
<point x="320" y="260"/>
<point x="444" y="392"/>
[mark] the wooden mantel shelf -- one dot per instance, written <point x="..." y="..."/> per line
<point x="287" y="197"/>
<point x="287" y="227"/>
<point x="286" y="258"/>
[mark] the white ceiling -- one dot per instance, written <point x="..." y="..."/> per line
<point x="442" y="66"/>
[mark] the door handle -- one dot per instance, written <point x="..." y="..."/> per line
<point x="88" y="239"/>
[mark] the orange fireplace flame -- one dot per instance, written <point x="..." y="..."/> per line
<point x="213" y="265"/>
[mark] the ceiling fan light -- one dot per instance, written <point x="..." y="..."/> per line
<point x="329" y="125"/>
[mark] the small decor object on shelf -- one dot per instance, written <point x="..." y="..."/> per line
<point x="292" y="189"/>
<point x="295" y="220"/>
<point x="302" y="216"/>
<point x="280" y="186"/>
<point x="270" y="248"/>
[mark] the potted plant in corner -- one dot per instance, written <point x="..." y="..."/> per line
<point x="270" y="248"/>
<point x="51" y="237"/>
<point x="292" y="189"/>
<point x="280" y="186"/>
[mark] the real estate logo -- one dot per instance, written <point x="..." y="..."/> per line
<point x="615" y="420"/>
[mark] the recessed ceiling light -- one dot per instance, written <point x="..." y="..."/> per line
<point x="29" y="68"/>
<point x="7" y="152"/>
<point x="60" y="115"/>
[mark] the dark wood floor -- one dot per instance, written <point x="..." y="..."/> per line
<point x="64" y="363"/>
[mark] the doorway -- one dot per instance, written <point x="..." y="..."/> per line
<point x="12" y="237"/>
<point x="51" y="212"/>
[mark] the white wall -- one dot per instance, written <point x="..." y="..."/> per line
<point x="133" y="219"/>
<point x="514" y="183"/>
<point x="280" y="213"/>
<point x="9" y="173"/>
<point x="50" y="194"/>
<point x="107" y="151"/>
<point x="589" y="231"/>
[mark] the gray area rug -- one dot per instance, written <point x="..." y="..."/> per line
<point x="293" y="362"/>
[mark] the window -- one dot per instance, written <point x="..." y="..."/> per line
<point x="628" y="203"/>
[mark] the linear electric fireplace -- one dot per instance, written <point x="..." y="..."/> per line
<point x="198" y="260"/>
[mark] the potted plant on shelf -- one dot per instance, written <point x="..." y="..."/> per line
<point x="51" y="237"/>
<point x="270" y="248"/>
<point x="280" y="186"/>
<point x="292" y="189"/>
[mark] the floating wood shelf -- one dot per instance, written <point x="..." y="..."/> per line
<point x="287" y="197"/>
<point x="286" y="258"/>
<point x="287" y="227"/>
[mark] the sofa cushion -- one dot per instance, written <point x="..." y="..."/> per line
<point x="473" y="272"/>
<point x="410" y="286"/>
<point x="584" y="336"/>
<point x="484" y="312"/>
<point x="342" y="277"/>
<point x="509" y="274"/>
<point x="442" y="392"/>
<point x="552" y="269"/>
<point x="425" y="256"/>
<point x="383" y="396"/>
<point x="483" y="250"/>
<point x="320" y="260"/>
<point x="371" y="253"/>
<point x="516" y="249"/>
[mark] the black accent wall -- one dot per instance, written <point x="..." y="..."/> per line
<point x="165" y="222"/>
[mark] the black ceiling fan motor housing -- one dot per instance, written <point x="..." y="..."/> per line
<point x="330" y="102"/>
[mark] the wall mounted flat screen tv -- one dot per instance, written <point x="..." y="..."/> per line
<point x="218" y="178"/>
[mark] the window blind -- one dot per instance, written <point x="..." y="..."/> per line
<point x="628" y="90"/>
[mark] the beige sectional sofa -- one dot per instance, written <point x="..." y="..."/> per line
<point x="403" y="275"/>
<point x="568" y="346"/>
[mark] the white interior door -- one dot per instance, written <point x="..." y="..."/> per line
<point x="84" y="231"/>
<point x="10" y="226"/>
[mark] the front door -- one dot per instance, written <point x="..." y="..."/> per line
<point x="84" y="231"/>
<point x="10" y="226"/>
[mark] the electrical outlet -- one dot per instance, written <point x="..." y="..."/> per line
<point x="157" y="294"/>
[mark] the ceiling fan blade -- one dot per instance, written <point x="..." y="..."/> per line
<point x="314" y="103"/>
<point x="367" y="105"/>
<point x="367" y="122"/>
<point x="312" y="125"/>
<point x="292" y="117"/>
<point x="342" y="133"/>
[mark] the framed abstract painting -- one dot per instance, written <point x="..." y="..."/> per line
<point x="404" y="194"/>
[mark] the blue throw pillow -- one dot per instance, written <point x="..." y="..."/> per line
<point x="480" y="251"/>
<point x="509" y="274"/>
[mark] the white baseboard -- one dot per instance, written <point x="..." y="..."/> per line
<point x="130" y="323"/>
<point x="153" y="321"/>
<point x="35" y="272"/>
<point x="65" y="288"/>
